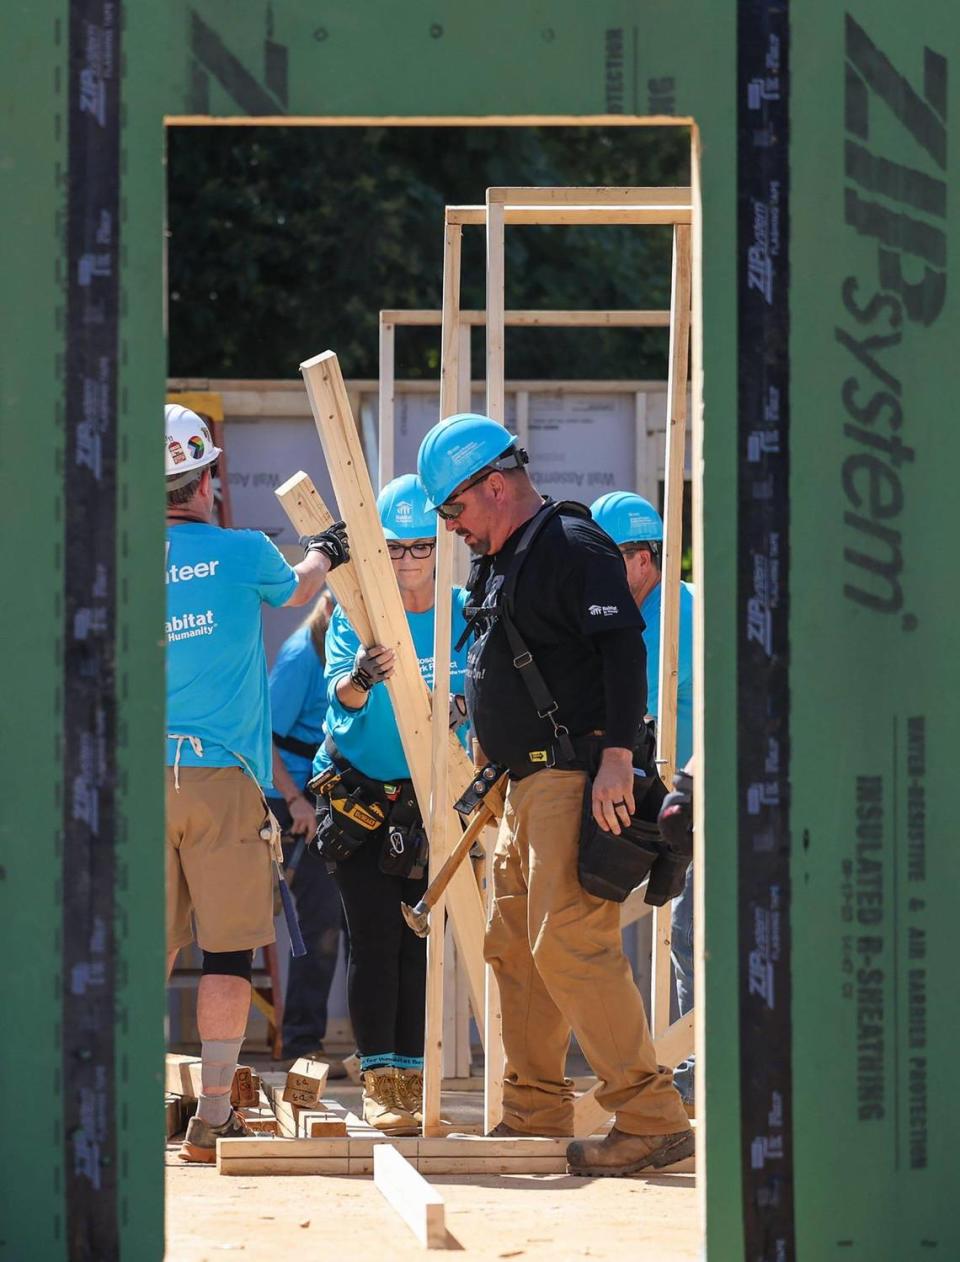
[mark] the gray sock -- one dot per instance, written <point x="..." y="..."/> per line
<point x="219" y="1062"/>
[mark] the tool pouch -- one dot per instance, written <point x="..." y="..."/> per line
<point x="667" y="877"/>
<point x="404" y="852"/>
<point x="347" y="816"/>
<point x="609" y="866"/>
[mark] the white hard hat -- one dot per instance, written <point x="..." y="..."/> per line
<point x="189" y="445"/>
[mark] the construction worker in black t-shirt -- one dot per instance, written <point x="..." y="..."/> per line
<point x="556" y="691"/>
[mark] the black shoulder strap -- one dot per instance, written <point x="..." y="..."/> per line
<point x="526" y="667"/>
<point x="532" y="532"/>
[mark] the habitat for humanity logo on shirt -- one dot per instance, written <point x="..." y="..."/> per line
<point x="186" y="626"/>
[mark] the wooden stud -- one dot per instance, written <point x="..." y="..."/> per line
<point x="385" y="412"/>
<point x="418" y="1204"/>
<point x="378" y="584"/>
<point x="640" y="442"/>
<point x="308" y="514"/>
<point x="494" y="1060"/>
<point x="700" y="919"/>
<point x="662" y="975"/>
<point x="673" y="503"/>
<point x="574" y="216"/>
<point x="428" y="120"/>
<point x="422" y="317"/>
<point x="443" y="825"/>
<point x="523" y="417"/>
<point x="576" y="195"/>
<point x="634" y="907"/>
<point x="456" y="1155"/>
<point x="495" y="312"/>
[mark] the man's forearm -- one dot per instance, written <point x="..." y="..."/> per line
<point x="311" y="575"/>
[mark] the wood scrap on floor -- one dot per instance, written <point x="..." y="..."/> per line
<point x="173" y="1114"/>
<point x="260" y="1118"/>
<point x="418" y="1204"/>
<point x="183" y="1077"/>
<point x="326" y="1119"/>
<point x="306" y="1082"/>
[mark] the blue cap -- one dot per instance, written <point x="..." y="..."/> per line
<point x="627" y="517"/>
<point x="404" y="513"/>
<point x="457" y="448"/>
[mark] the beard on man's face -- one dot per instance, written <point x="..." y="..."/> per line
<point x="479" y="547"/>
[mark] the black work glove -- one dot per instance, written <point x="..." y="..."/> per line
<point x="369" y="668"/>
<point x="333" y="543"/>
<point x="676" y="815"/>
<point x="458" y="710"/>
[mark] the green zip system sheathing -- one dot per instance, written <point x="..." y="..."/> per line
<point x="829" y="376"/>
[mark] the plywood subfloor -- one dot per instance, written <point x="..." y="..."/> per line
<point x="533" y="1217"/>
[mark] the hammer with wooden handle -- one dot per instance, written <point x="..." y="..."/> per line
<point x="487" y="812"/>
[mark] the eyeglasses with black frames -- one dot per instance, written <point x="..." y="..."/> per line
<point x="420" y="550"/>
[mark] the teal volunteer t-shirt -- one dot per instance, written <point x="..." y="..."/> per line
<point x="650" y="612"/>
<point x="368" y="739"/>
<point x="298" y="699"/>
<point x="216" y="668"/>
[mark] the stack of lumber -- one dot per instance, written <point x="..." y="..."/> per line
<point x="182" y="1083"/>
<point x="299" y="1106"/>
<point x="454" y="1154"/>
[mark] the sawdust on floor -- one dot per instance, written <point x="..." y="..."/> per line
<point x="212" y="1217"/>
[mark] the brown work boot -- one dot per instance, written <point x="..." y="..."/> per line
<point x="200" y="1142"/>
<point x="409" y="1092"/>
<point x="503" y="1131"/>
<point x="618" y="1153"/>
<point x="381" y="1107"/>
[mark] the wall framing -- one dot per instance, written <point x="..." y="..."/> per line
<point x="846" y="99"/>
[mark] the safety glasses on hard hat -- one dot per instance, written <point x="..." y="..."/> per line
<point x="420" y="550"/>
<point x="451" y="509"/>
<point x="515" y="459"/>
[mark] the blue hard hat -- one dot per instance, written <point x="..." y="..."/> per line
<point x="627" y="517"/>
<point x="458" y="447"/>
<point x="404" y="514"/>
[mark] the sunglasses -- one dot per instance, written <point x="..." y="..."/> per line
<point x="418" y="550"/>
<point x="451" y="510"/>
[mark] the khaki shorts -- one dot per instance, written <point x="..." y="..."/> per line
<point x="218" y="866"/>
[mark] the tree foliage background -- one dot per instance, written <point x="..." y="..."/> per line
<point x="286" y="241"/>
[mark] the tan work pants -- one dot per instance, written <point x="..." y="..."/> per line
<point x="559" y="962"/>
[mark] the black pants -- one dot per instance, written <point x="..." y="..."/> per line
<point x="321" y="921"/>
<point x="387" y="973"/>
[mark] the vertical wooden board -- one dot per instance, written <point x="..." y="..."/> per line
<point x="492" y="1017"/>
<point x="308" y="513"/>
<point x="495" y="311"/>
<point x="673" y="501"/>
<point x="351" y="481"/>
<point x="668" y="668"/>
<point x="442" y="824"/>
<point x="418" y="1204"/>
<point x="378" y="585"/>
<point x="387" y="399"/>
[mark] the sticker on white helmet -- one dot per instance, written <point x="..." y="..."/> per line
<point x="177" y="454"/>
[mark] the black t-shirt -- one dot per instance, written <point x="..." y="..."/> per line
<point x="571" y="591"/>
